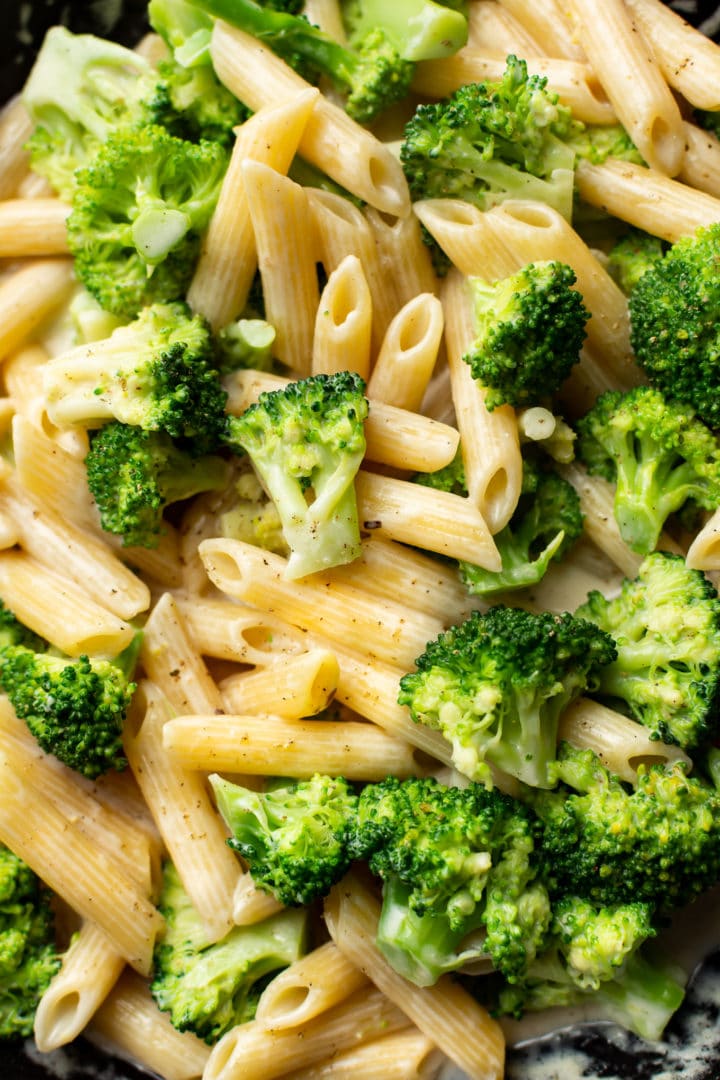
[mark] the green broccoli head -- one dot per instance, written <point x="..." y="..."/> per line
<point x="595" y="942"/>
<point x="659" y="455"/>
<point x="28" y="957"/>
<point x="306" y="443"/>
<point x="495" y="687"/>
<point x="675" y="322"/>
<point x="377" y="77"/>
<point x="193" y="104"/>
<point x="75" y="708"/>
<point x="658" y="843"/>
<point x="295" y="838"/>
<point x="156" y="373"/>
<point x="632" y="255"/>
<point x="80" y="89"/>
<point x="208" y="987"/>
<point x="529" y="328"/>
<point x="457" y="873"/>
<point x="666" y="624"/>
<point x="138" y="209"/>
<point x="594" y="955"/>
<point x="492" y="141"/>
<point x="134" y="474"/>
<point x="597" y="142"/>
<point x="13" y="632"/>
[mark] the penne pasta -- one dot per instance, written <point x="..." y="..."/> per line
<point x="298" y="748"/>
<point x="407" y="356"/>
<point x="90" y="968"/>
<point x="626" y="65"/>
<point x="309" y="987"/>
<point x="343" y="324"/>
<point x="299" y="686"/>
<point x="348" y="153"/>
<point x="32" y="227"/>
<point x="130" y="1023"/>
<point x="228" y="259"/>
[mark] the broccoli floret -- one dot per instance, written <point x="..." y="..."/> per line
<point x="250" y="515"/>
<point x="308" y="440"/>
<point x="512" y="139"/>
<point x="28" y="957"/>
<point x="594" y="956"/>
<point x="207" y="986"/>
<point x="658" y="843"/>
<point x="371" y="70"/>
<point x="529" y="329"/>
<point x="134" y="474"/>
<point x="80" y="88"/>
<point x="659" y="455"/>
<point x="193" y="104"/>
<point x="74" y="707"/>
<point x="138" y="209"/>
<point x="666" y="624"/>
<point x="675" y="323"/>
<point x="457" y="876"/>
<point x="544" y="526"/>
<point x="156" y="373"/>
<point x="295" y="838"/>
<point x="492" y="141"/>
<point x="495" y="687"/>
<point x="13" y="632"/>
<point x="632" y="255"/>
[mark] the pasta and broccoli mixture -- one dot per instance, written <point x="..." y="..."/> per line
<point x="360" y="530"/>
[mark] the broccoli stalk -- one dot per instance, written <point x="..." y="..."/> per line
<point x="74" y="707"/>
<point x="306" y="442"/>
<point x="457" y="873"/>
<point x="529" y="329"/>
<point x="666" y="624"/>
<point x="295" y="839"/>
<point x="134" y="474"/>
<point x="545" y="524"/>
<point x="658" y="843"/>
<point x="80" y="89"/>
<point x="659" y="455"/>
<point x="139" y="207"/>
<point x="28" y="957"/>
<point x="156" y="373"/>
<point x="495" y="687"/>
<point x="207" y="986"/>
<point x="675" y="323"/>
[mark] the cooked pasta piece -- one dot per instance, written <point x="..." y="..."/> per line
<point x="90" y="968"/>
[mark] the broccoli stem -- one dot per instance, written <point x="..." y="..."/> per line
<point x="643" y="998"/>
<point x="422" y="29"/>
<point x="286" y="33"/>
